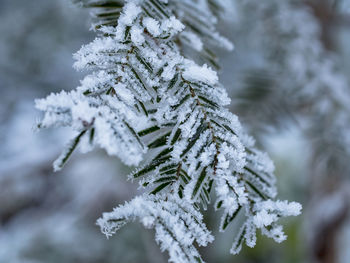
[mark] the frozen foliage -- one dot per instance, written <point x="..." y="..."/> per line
<point x="177" y="224"/>
<point x="144" y="101"/>
<point x="294" y="47"/>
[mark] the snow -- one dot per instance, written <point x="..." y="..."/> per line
<point x="172" y="25"/>
<point x="263" y="219"/>
<point x="137" y="35"/>
<point x="130" y="12"/>
<point x="152" y="26"/>
<point x="147" y="82"/>
<point x="174" y="229"/>
<point x="200" y="73"/>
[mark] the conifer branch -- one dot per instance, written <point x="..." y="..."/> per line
<point x="144" y="96"/>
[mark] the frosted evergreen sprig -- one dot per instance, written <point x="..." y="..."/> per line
<point x="199" y="17"/>
<point x="144" y="98"/>
<point x="177" y="224"/>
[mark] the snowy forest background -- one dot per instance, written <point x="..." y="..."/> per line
<point x="47" y="217"/>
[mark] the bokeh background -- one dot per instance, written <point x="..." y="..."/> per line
<point x="288" y="79"/>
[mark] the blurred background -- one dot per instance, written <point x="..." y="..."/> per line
<point x="289" y="83"/>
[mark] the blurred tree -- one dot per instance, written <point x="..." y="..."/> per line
<point x="297" y="74"/>
<point x="289" y="70"/>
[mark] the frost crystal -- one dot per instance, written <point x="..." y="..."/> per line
<point x="144" y="97"/>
